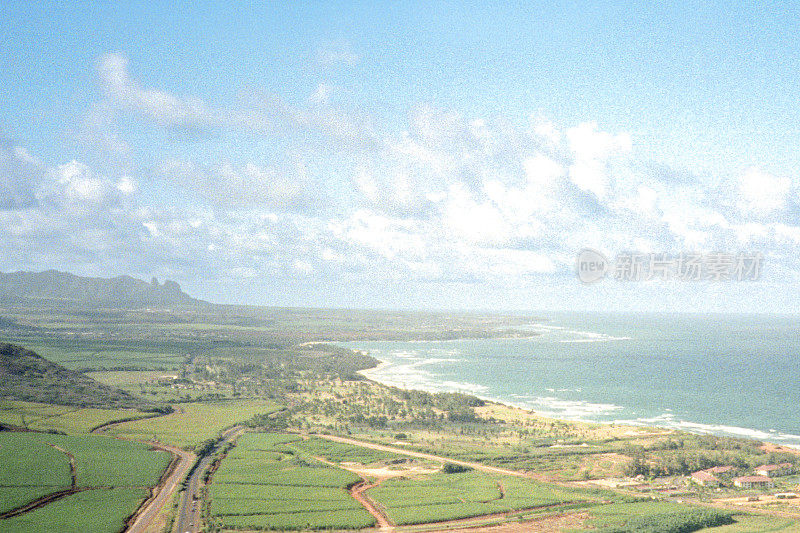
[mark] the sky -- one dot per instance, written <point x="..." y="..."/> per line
<point x="447" y="155"/>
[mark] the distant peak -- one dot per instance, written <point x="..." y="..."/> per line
<point x="60" y="288"/>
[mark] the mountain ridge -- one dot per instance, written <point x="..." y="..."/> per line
<point x="27" y="376"/>
<point x="53" y="287"/>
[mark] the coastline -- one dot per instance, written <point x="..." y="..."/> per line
<point x="656" y="423"/>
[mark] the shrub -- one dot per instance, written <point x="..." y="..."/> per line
<point x="452" y="468"/>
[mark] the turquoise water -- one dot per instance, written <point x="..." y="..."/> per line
<point x="724" y="374"/>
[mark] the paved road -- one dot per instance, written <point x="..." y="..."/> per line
<point x="150" y="512"/>
<point x="188" y="517"/>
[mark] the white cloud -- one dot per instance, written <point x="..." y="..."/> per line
<point x="386" y="236"/>
<point x="99" y="129"/>
<point x="788" y="233"/>
<point x="762" y="193"/>
<point x="319" y="189"/>
<point x="127" y="185"/>
<point x="338" y="53"/>
<point x="124" y="92"/>
<point x="20" y="176"/>
<point x="287" y="187"/>
<point x="471" y="221"/>
<point x="546" y="130"/>
<point x="592" y="149"/>
<point x="321" y="94"/>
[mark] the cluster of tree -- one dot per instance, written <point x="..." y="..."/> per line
<point x="374" y="422"/>
<point x="676" y="457"/>
<point x="671" y="464"/>
<point x="444" y="401"/>
<point x="452" y="468"/>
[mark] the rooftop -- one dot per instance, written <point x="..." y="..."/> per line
<point x="703" y="476"/>
<point x="770" y="468"/>
<point x="719" y="469"/>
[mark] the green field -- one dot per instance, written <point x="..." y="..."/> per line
<point x="70" y="420"/>
<point x="265" y="483"/>
<point x="100" y="461"/>
<point x="192" y="423"/>
<point x="127" y="378"/>
<point x="341" y="453"/>
<point x="759" y="524"/>
<point x="662" y="517"/>
<point x="29" y="460"/>
<point x="98" y="511"/>
<point x="116" y="472"/>
<point x="439" y="497"/>
<point x="104" y="357"/>
<point x="14" y="497"/>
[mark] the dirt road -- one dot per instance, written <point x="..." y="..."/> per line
<point x="182" y="462"/>
<point x="357" y="492"/>
<point x="421" y="455"/>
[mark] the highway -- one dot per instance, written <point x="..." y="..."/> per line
<point x="188" y="516"/>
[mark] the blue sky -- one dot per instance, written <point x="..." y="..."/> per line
<point x="437" y="155"/>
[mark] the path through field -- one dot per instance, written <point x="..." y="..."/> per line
<point x="176" y="472"/>
<point x="357" y="491"/>
<point x="421" y="455"/>
<point x="73" y="471"/>
<point x="189" y="510"/>
<point x="148" y="512"/>
<point x="543" y="524"/>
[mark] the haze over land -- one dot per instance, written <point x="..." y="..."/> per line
<point x="61" y="288"/>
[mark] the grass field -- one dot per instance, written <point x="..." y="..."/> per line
<point x="70" y="420"/>
<point x="439" y="497"/>
<point x="14" y="497"/>
<point x="107" y="357"/>
<point x="100" y="461"/>
<point x="341" y="453"/>
<point x="662" y="517"/>
<point x="28" y="460"/>
<point x="117" y="472"/>
<point x="264" y="483"/>
<point x="192" y="423"/>
<point x="127" y="378"/>
<point x="759" y="524"/>
<point x="98" y="511"/>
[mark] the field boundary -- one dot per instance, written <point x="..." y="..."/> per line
<point x="44" y="500"/>
<point x="422" y="455"/>
<point x="73" y="470"/>
<point x="100" y="428"/>
<point x="53" y="496"/>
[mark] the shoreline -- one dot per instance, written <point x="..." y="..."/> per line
<point x="721" y="430"/>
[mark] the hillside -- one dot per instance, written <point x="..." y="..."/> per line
<point x="60" y="288"/>
<point x="26" y="376"/>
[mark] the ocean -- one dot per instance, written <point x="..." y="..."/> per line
<point x="725" y="374"/>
